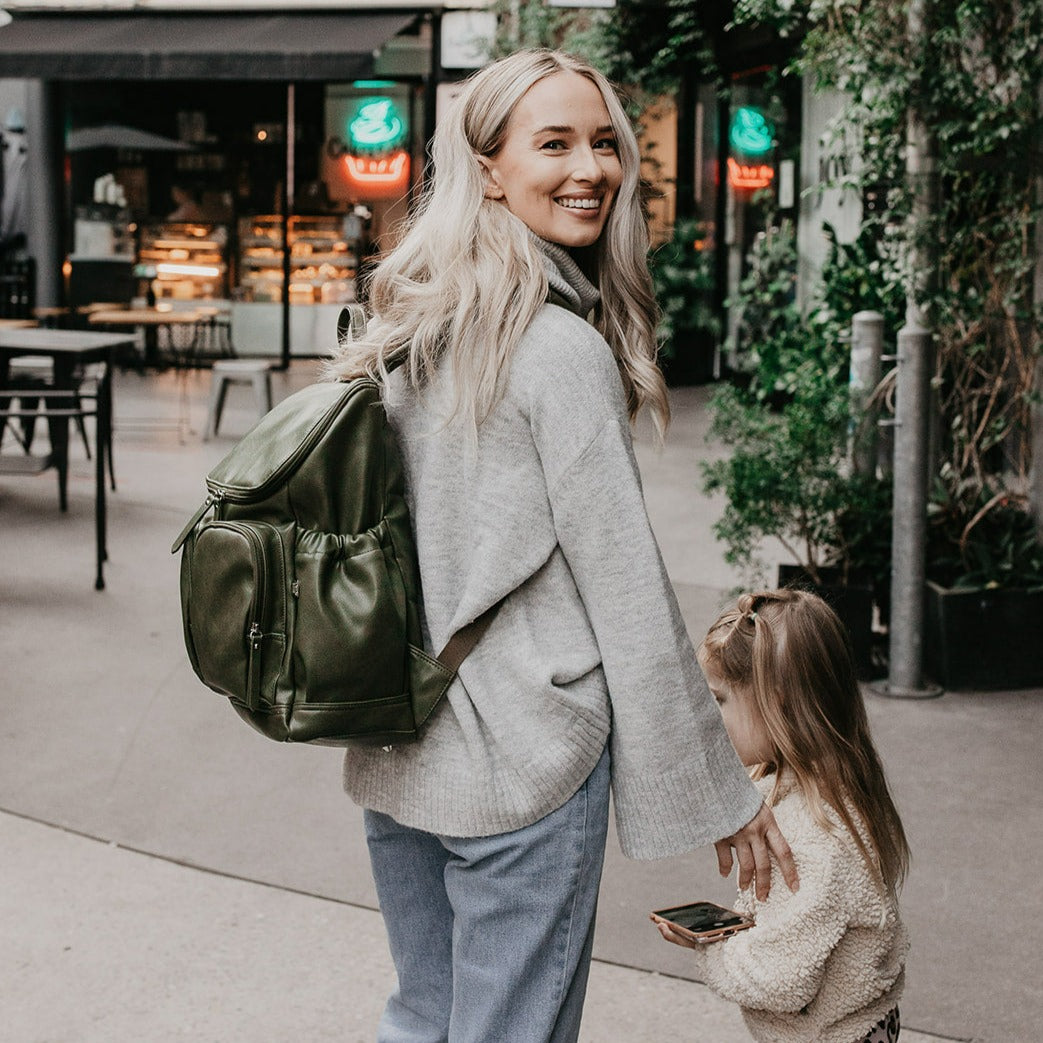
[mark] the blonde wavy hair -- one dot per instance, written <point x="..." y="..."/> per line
<point x="788" y="651"/>
<point x="466" y="280"/>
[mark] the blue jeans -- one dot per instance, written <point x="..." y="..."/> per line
<point x="491" y="936"/>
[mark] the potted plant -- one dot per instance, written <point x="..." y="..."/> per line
<point x="974" y="81"/>
<point x="785" y="423"/>
<point x="984" y="607"/>
<point x="970" y="75"/>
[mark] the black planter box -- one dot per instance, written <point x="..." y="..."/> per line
<point x="983" y="639"/>
<point x="852" y="602"/>
<point x="693" y="360"/>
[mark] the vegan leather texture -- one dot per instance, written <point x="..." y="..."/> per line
<point x="300" y="593"/>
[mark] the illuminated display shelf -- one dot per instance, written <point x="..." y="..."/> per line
<point x="188" y="258"/>
<point x="323" y="261"/>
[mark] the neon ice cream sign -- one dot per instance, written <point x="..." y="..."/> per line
<point x="374" y="160"/>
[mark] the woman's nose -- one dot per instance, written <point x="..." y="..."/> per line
<point x="587" y="168"/>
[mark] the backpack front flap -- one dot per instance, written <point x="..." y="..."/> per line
<point x="275" y="447"/>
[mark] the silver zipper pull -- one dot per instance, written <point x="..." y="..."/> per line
<point x="253" y="672"/>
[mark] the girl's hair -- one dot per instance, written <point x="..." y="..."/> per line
<point x="466" y="279"/>
<point x="788" y="651"/>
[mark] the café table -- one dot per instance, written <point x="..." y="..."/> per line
<point x="53" y="315"/>
<point x="151" y="321"/>
<point x="68" y="350"/>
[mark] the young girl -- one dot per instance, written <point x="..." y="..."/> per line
<point x="513" y="328"/>
<point x="826" y="963"/>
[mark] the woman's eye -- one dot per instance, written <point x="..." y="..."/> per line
<point x="605" y="145"/>
<point x="553" y="146"/>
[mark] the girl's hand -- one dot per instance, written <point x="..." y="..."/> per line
<point x="754" y="843"/>
<point x="666" y="930"/>
<point x="670" y="935"/>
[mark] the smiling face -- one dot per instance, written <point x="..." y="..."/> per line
<point x="558" y="169"/>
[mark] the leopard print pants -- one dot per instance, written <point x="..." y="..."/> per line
<point x="886" y="1030"/>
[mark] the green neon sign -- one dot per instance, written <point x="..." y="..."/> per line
<point x="376" y="125"/>
<point x="750" y="133"/>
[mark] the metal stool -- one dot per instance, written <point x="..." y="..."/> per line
<point x="256" y="372"/>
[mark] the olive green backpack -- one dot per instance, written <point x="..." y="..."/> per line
<point x="299" y="583"/>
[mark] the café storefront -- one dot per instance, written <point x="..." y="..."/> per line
<point x="251" y="160"/>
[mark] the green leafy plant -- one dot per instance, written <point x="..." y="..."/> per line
<point x="997" y="547"/>
<point x="974" y="75"/>
<point x="786" y="426"/>
<point x="683" y="276"/>
<point x="653" y="47"/>
<point x="770" y="340"/>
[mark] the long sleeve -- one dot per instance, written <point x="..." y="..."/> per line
<point x="779" y="964"/>
<point x="677" y="781"/>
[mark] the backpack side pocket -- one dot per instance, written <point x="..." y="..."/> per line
<point x="352" y="653"/>
<point x="236" y="610"/>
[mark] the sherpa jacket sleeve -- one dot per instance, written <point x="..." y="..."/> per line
<point x="779" y="964"/>
<point x="677" y="782"/>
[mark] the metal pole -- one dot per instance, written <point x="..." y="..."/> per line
<point x="867" y="347"/>
<point x="909" y="523"/>
<point x="912" y="409"/>
<point x="46" y="200"/>
<point x="287" y="203"/>
<point x="1036" y="479"/>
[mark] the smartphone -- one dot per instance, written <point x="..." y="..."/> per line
<point x="703" y="921"/>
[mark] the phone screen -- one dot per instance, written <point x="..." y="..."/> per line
<point x="702" y="916"/>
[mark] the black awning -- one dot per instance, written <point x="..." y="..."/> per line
<point x="307" y="45"/>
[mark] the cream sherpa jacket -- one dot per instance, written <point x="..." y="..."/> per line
<point x="822" y="965"/>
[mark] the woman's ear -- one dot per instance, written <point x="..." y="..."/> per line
<point x="492" y="184"/>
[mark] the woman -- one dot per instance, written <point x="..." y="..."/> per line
<point x="512" y="412"/>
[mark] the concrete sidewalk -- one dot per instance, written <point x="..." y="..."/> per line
<point x="226" y="894"/>
<point x="125" y="946"/>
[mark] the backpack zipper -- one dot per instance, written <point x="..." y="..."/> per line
<point x="256" y="634"/>
<point x="253" y="680"/>
<point x="211" y="500"/>
<point x="289" y="465"/>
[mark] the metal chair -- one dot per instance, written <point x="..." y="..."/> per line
<point x="62" y="405"/>
<point x="256" y="372"/>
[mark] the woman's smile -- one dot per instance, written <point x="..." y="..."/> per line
<point x="585" y="204"/>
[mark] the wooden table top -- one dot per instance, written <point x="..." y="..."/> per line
<point x="59" y="343"/>
<point x="144" y="317"/>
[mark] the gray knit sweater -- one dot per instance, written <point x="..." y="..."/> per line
<point x="545" y="509"/>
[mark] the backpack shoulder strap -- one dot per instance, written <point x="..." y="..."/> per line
<point x="351" y="324"/>
<point x="462" y="643"/>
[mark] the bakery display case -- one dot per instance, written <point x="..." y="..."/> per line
<point x="324" y="257"/>
<point x="188" y="259"/>
<point x="323" y="260"/>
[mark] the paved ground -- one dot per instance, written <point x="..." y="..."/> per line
<point x="170" y="875"/>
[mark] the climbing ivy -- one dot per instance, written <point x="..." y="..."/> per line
<point x="645" y="48"/>
<point x="974" y="75"/>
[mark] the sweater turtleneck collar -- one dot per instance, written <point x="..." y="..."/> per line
<point x="565" y="279"/>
